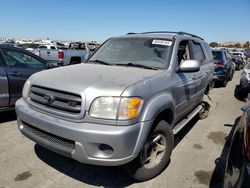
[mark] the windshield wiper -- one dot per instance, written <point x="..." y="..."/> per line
<point x="100" y="62"/>
<point x="137" y="65"/>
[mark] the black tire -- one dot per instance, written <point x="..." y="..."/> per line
<point x="231" y="76"/>
<point x="224" y="83"/>
<point x="142" y="169"/>
<point x="203" y="113"/>
<point x="235" y="165"/>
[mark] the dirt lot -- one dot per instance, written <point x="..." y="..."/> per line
<point x="197" y="160"/>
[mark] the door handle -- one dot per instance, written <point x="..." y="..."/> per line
<point x="15" y="73"/>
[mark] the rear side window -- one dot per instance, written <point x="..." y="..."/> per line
<point x="198" y="52"/>
<point x="52" y="47"/>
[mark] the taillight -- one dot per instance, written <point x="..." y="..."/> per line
<point x="60" y="55"/>
<point x="219" y="64"/>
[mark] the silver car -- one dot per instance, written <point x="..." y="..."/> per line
<point x="124" y="105"/>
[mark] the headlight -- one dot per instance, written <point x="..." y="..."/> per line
<point x="116" y="108"/>
<point x="105" y="107"/>
<point x="26" y="88"/>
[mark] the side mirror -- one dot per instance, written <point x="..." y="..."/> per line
<point x="189" y="66"/>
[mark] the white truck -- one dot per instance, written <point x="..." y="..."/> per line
<point x="61" y="56"/>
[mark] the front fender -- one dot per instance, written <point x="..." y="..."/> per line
<point x="156" y="105"/>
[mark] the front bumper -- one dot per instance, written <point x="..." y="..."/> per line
<point x="85" y="142"/>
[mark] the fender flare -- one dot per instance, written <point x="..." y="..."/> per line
<point x="153" y="108"/>
<point x="156" y="105"/>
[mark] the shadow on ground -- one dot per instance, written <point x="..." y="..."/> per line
<point x="95" y="175"/>
<point x="184" y="131"/>
<point x="89" y="174"/>
<point x="7" y="116"/>
<point x="220" y="163"/>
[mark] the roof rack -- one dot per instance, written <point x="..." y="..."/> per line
<point x="178" y="33"/>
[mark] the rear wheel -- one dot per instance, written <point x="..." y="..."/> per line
<point x="154" y="155"/>
<point x="224" y="83"/>
<point x="231" y="75"/>
<point x="203" y="113"/>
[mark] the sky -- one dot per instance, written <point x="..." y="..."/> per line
<point x="96" y="20"/>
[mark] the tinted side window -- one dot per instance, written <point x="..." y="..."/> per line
<point x="198" y="52"/>
<point x="21" y="60"/>
<point x="52" y="47"/>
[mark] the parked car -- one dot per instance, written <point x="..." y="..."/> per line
<point x="29" y="46"/>
<point x="223" y="66"/>
<point x="237" y="171"/>
<point x="47" y="46"/>
<point x="90" y="47"/>
<point x="244" y="86"/>
<point x="241" y="54"/>
<point x="16" y="65"/>
<point x="62" y="56"/>
<point x="247" y="53"/>
<point x="124" y="105"/>
<point x="238" y="61"/>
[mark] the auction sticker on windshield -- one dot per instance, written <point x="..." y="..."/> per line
<point x="162" y="42"/>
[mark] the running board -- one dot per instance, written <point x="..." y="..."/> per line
<point x="180" y="125"/>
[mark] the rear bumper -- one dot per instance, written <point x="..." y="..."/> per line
<point x="85" y="142"/>
<point x="220" y="78"/>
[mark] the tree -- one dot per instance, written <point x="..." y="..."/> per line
<point x="237" y="45"/>
<point x="246" y="45"/>
<point x="213" y="44"/>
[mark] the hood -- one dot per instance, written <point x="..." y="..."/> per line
<point x="92" y="79"/>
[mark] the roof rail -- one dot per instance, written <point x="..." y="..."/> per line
<point x="174" y="32"/>
<point x="184" y="33"/>
<point x="131" y="33"/>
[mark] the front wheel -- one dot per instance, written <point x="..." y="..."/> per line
<point x="154" y="155"/>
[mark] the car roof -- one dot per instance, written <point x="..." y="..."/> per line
<point x="160" y="34"/>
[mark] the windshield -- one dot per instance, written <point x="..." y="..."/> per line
<point x="217" y="55"/>
<point x="148" y="52"/>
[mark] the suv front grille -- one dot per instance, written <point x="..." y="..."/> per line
<point x="61" y="144"/>
<point x="56" y="100"/>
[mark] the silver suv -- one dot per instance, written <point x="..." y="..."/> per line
<point x="124" y="105"/>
